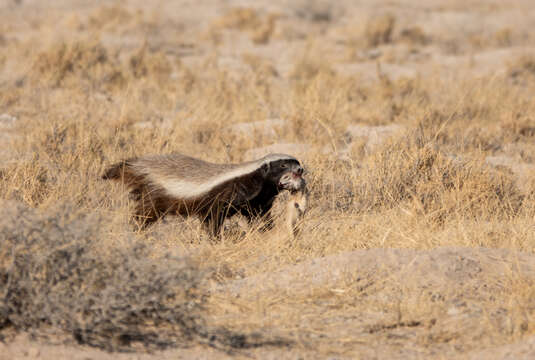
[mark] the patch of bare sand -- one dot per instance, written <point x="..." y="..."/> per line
<point x="438" y="269"/>
<point x="521" y="350"/>
<point x="446" y="298"/>
<point x="25" y="348"/>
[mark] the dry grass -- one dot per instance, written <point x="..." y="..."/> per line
<point x="54" y="276"/>
<point x="114" y="86"/>
<point x="60" y="277"/>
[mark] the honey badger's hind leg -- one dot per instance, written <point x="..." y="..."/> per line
<point x="149" y="209"/>
<point x="145" y="215"/>
<point x="260" y="208"/>
<point x="213" y="220"/>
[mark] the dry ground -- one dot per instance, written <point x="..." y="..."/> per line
<point x="415" y="121"/>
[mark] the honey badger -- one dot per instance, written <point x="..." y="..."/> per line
<point x="182" y="185"/>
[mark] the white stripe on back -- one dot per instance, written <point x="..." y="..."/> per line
<point x="183" y="189"/>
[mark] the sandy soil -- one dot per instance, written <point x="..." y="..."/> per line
<point x="466" y="277"/>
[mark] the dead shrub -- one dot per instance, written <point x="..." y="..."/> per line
<point x="308" y="67"/>
<point x="263" y="34"/>
<point x="260" y="66"/>
<point x="51" y="274"/>
<point x="414" y="35"/>
<point x="144" y="64"/>
<point x="314" y="10"/>
<point x="239" y="18"/>
<point x="520" y="127"/>
<point x="88" y="60"/>
<point x="259" y="27"/>
<point x="522" y="70"/>
<point x="413" y="173"/>
<point x="504" y="37"/>
<point x="32" y="179"/>
<point x="107" y="17"/>
<point x="379" y="30"/>
<point x="56" y="275"/>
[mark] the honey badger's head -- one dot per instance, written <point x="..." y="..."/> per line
<point x="285" y="173"/>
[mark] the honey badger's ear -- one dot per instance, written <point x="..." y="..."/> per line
<point x="265" y="168"/>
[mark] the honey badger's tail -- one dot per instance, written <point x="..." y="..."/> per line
<point x="117" y="171"/>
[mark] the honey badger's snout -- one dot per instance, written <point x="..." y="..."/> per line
<point x="298" y="170"/>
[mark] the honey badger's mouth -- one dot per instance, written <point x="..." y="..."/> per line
<point x="291" y="181"/>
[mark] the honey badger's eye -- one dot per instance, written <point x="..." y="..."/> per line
<point x="284" y="166"/>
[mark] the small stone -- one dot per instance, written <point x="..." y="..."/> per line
<point x="267" y="128"/>
<point x="452" y="311"/>
<point x="7" y="121"/>
<point x="32" y="352"/>
<point x="375" y="135"/>
<point x="163" y="124"/>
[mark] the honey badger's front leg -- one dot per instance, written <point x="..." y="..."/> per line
<point x="260" y="206"/>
